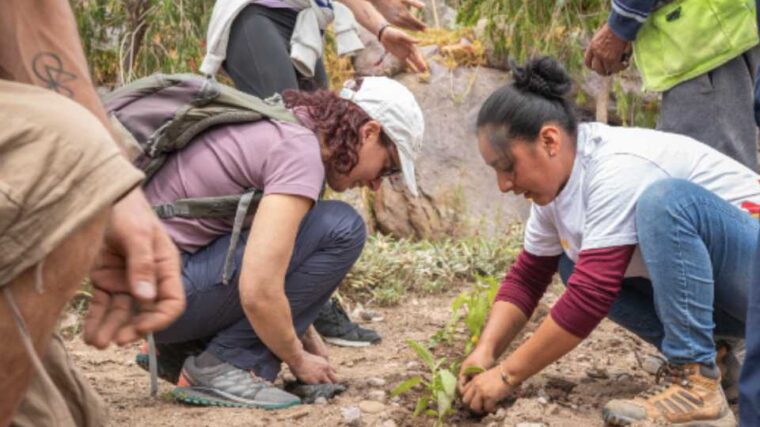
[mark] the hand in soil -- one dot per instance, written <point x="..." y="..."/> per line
<point x="485" y="391"/>
<point x="478" y="358"/>
<point x="313" y="369"/>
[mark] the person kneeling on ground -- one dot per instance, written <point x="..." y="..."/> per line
<point x="651" y="229"/>
<point x="297" y="250"/>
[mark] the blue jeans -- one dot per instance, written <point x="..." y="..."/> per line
<point x="698" y="250"/>
<point x="749" y="384"/>
<point x="329" y="241"/>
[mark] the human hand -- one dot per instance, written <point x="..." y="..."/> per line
<point x="485" y="391"/>
<point x="313" y="369"/>
<point x="607" y="54"/>
<point x="478" y="358"/>
<point x="397" y="13"/>
<point x="136" y="281"/>
<point x="404" y="47"/>
<point x="313" y="343"/>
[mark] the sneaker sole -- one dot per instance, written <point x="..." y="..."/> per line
<point x="346" y="343"/>
<point x="201" y="396"/>
<point x="727" y="420"/>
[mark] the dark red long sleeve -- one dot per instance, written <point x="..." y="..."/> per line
<point x="526" y="281"/>
<point x="592" y="288"/>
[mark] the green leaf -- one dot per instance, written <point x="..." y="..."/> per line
<point x="406" y="385"/>
<point x="423" y="353"/>
<point x="449" y="382"/>
<point x="444" y="401"/>
<point x="473" y="370"/>
<point x="422" y="404"/>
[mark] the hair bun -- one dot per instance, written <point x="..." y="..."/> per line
<point x="543" y="76"/>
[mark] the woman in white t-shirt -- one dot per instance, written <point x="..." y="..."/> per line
<point x="654" y="230"/>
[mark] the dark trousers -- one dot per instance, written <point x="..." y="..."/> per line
<point x="258" y="53"/>
<point x="329" y="241"/>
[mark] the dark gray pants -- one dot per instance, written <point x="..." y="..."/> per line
<point x="329" y="241"/>
<point x="716" y="108"/>
<point x="258" y="53"/>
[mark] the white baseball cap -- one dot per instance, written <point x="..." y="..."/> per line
<point x="394" y="107"/>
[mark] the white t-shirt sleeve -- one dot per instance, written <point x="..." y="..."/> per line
<point x="611" y="191"/>
<point x="541" y="236"/>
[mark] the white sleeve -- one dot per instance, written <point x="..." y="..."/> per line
<point x="541" y="236"/>
<point x="611" y="191"/>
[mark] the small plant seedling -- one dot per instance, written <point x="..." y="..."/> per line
<point x="440" y="389"/>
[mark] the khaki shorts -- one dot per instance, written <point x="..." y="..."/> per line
<point x="58" y="168"/>
<point x="84" y="408"/>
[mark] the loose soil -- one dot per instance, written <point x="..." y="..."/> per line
<point x="570" y="392"/>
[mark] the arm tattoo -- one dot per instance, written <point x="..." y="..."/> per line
<point x="48" y="67"/>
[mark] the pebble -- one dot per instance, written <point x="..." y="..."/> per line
<point x="351" y="415"/>
<point x="389" y="423"/>
<point x="492" y="424"/>
<point x="376" y="395"/>
<point x="530" y="425"/>
<point x="371" y="407"/>
<point x="376" y="382"/>
<point x="321" y="400"/>
<point x="413" y="365"/>
<point x="542" y="400"/>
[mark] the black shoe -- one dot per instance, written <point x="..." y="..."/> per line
<point x="170" y="358"/>
<point x="336" y="328"/>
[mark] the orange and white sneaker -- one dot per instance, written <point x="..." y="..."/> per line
<point x="685" y="395"/>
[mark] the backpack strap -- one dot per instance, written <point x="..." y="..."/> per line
<point x="205" y="207"/>
<point x="237" y="228"/>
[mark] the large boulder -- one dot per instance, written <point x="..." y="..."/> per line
<point x="458" y="192"/>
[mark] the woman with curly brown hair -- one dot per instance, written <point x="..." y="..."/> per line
<point x="297" y="250"/>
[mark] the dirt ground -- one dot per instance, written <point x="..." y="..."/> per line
<point x="570" y="392"/>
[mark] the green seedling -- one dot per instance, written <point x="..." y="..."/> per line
<point x="440" y="390"/>
<point x="471" y="307"/>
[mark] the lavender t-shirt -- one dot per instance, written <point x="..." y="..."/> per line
<point x="273" y="156"/>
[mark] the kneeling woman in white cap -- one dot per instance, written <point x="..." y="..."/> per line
<point x="298" y="249"/>
<point x="651" y="229"/>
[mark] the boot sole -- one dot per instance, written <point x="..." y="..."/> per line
<point x="346" y="343"/>
<point x="201" y="396"/>
<point x="727" y="420"/>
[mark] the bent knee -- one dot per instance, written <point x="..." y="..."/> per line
<point x="342" y="221"/>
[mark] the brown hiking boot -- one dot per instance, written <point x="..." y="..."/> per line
<point x="686" y="395"/>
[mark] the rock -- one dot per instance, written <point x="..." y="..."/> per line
<point x="500" y="414"/>
<point x="352" y="415"/>
<point x="320" y="401"/>
<point x="652" y="363"/>
<point x="376" y="395"/>
<point x="457" y="190"/>
<point x="366" y="60"/>
<point x="543" y="400"/>
<point x="376" y="382"/>
<point x="492" y="424"/>
<point x="413" y="365"/>
<point x="371" y="407"/>
<point x="389" y="423"/>
<point x="597" y="373"/>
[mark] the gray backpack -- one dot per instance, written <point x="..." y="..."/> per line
<point x="164" y="113"/>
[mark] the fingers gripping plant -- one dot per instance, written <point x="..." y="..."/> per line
<point x="440" y="388"/>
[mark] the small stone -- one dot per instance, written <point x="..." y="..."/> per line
<point x="371" y="407"/>
<point x="500" y="414"/>
<point x="389" y="423"/>
<point x="597" y="373"/>
<point x="652" y="363"/>
<point x="321" y="400"/>
<point x="376" y="395"/>
<point x="395" y="399"/>
<point x="530" y="425"/>
<point x="351" y="415"/>
<point x="492" y="424"/>
<point x="413" y="365"/>
<point x="542" y="400"/>
<point x="376" y="382"/>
